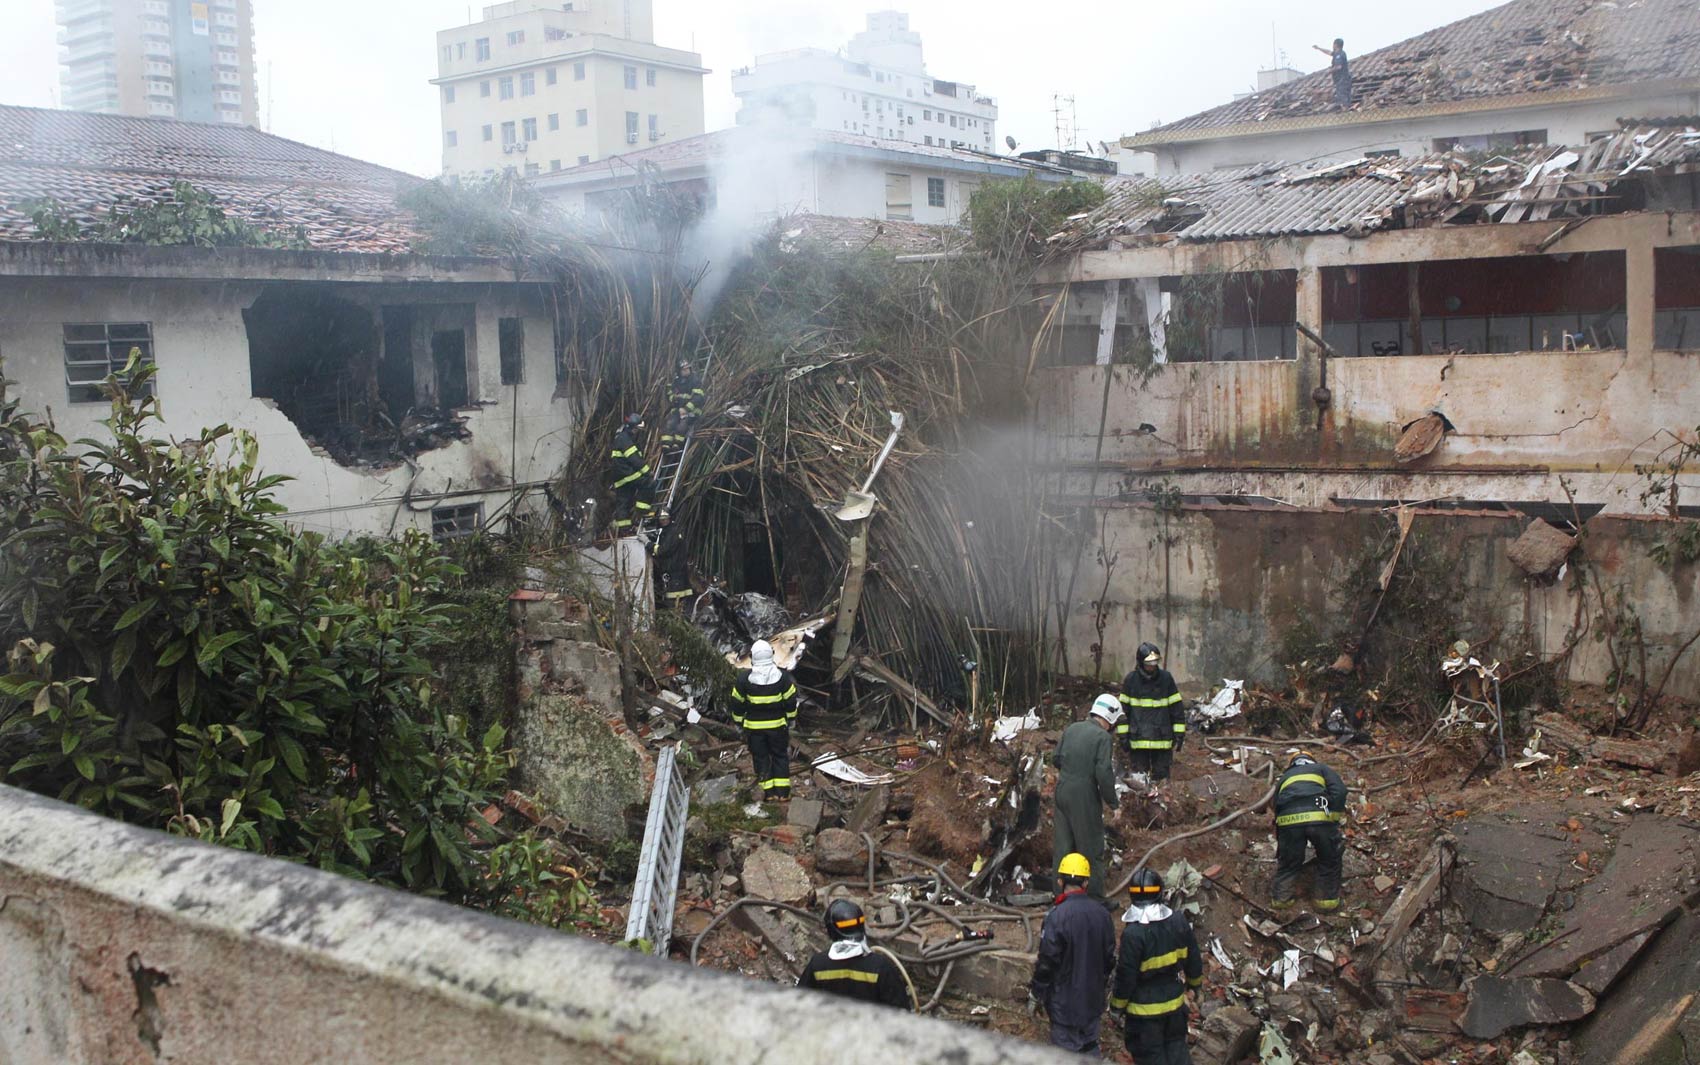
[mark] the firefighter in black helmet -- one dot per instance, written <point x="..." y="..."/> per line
<point x="1310" y="803"/>
<point x="688" y="391"/>
<point x="672" y="564"/>
<point x="633" y="487"/>
<point x="1155" y="726"/>
<point x="851" y="968"/>
<point x="1158" y="963"/>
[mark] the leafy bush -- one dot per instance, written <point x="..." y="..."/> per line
<point x="1012" y="219"/>
<point x="181" y="659"/>
<point x="185" y="215"/>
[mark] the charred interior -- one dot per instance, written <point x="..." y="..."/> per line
<point x="370" y="386"/>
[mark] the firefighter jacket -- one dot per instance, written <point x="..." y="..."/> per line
<point x="1309" y="793"/>
<point x="1077" y="952"/>
<point x="1156" y="956"/>
<point x="850" y="969"/>
<point x="764" y="706"/>
<point x="688" y="393"/>
<point x="627" y="462"/>
<point x="1155" y="716"/>
<point x="669" y="552"/>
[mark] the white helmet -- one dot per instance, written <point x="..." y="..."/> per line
<point x="1107" y="707"/>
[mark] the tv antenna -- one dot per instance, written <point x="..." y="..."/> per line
<point x="1067" y="125"/>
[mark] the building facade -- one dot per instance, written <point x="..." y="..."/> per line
<point x="186" y="59"/>
<point x="537" y="87"/>
<point x="877" y="87"/>
<point x="755" y="175"/>
<point x="1573" y="72"/>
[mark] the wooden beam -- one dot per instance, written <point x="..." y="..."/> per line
<point x="1411" y="903"/>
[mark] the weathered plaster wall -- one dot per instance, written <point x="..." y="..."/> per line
<point x="1522" y="422"/>
<point x="1231" y="581"/>
<point x="128" y="947"/>
<point x="201" y="349"/>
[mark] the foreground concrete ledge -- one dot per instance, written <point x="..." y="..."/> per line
<point x="122" y="944"/>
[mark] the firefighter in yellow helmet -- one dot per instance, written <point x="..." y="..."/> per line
<point x="1077" y="949"/>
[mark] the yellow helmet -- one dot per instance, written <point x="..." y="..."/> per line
<point x="1074" y="865"/>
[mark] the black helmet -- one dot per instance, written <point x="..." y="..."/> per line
<point x="1149" y="655"/>
<point x="844" y="920"/>
<point x="634" y="420"/>
<point x="1146" y="885"/>
<point x="685" y="365"/>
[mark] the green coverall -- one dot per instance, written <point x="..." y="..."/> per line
<point x="1085" y="785"/>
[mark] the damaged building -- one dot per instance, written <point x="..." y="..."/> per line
<point x="397" y="390"/>
<point x="1288" y="348"/>
<point x="1526" y="73"/>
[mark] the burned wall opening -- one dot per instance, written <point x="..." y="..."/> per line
<point x="369" y="387"/>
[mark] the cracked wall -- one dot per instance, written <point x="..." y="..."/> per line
<point x="124" y="946"/>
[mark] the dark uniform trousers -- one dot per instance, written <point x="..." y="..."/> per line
<point x="765" y="713"/>
<point x="1155" y="721"/>
<point x="1310" y="801"/>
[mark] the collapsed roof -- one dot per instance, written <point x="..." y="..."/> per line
<point x="1520" y="48"/>
<point x="87" y="162"/>
<point x="1368" y="194"/>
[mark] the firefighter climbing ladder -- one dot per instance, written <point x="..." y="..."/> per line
<point x="673" y="463"/>
<point x="657" y="883"/>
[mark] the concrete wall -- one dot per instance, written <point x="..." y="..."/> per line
<point x="1565" y="124"/>
<point x="201" y="349"/>
<point x="1523" y="421"/>
<point x="1231" y="581"/>
<point x="127" y="946"/>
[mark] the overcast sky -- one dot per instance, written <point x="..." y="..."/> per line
<point x="351" y="74"/>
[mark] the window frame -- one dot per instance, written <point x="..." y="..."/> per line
<point x="938" y="184"/>
<point x="109" y="363"/>
<point x="449" y="521"/>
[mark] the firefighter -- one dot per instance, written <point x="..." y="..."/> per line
<point x="1086" y="783"/>
<point x="764" y="704"/>
<point x="1310" y="803"/>
<point x="849" y="967"/>
<point x="1158" y="953"/>
<point x="1155" y="727"/>
<point x="687" y="390"/>
<point x="633" y="487"/>
<point x="674" y="430"/>
<point x="672" y="568"/>
<point x="1077" y="952"/>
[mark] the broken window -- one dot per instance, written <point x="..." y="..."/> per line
<point x="454" y="522"/>
<point x="94" y="350"/>
<point x="1233" y="317"/>
<point x="1492" y="142"/>
<point x="448" y="358"/>
<point x="511" y="335"/>
<point x="1477" y="306"/>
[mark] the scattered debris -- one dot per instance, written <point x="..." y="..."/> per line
<point x="1499" y="1004"/>
<point x="1541" y="550"/>
<point x="773" y="874"/>
<point x="1005" y="729"/>
<point x="1228" y="702"/>
<point x="837" y="768"/>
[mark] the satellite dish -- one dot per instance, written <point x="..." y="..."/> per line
<point x="1104" y="147"/>
<point x="1011" y="142"/>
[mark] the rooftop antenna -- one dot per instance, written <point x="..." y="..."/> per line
<point x="1062" y="110"/>
<point x="269" y="95"/>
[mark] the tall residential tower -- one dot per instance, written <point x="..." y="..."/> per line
<point x="877" y="87"/>
<point x="541" y="86"/>
<point x="188" y="59"/>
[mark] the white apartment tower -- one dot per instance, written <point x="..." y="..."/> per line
<point x="876" y="87"/>
<point x="536" y="87"/>
<point x="187" y="59"/>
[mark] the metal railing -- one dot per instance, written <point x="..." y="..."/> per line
<point x="651" y="916"/>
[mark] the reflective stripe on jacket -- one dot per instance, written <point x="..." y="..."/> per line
<point x="1155" y="714"/>
<point x="1309" y="793"/>
<point x="1153" y="961"/>
<point x="626" y="460"/>
<point x="764" y="706"/>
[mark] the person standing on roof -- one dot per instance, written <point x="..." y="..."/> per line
<point x="764" y="704"/>
<point x="849" y="967"/>
<point x="1155" y="727"/>
<point x="1077" y="952"/>
<point x="1341" y="70"/>
<point x="1086" y="783"/>
<point x="1158" y="963"/>
<point x="687" y="391"/>
<point x="672" y="567"/>
<point x="633" y="487"/>
<point x="1310" y="803"/>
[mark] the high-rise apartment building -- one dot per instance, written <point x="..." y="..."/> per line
<point x="877" y="87"/>
<point x="537" y="86"/>
<point x="188" y="59"/>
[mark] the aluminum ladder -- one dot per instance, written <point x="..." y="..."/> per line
<point x="657" y="885"/>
